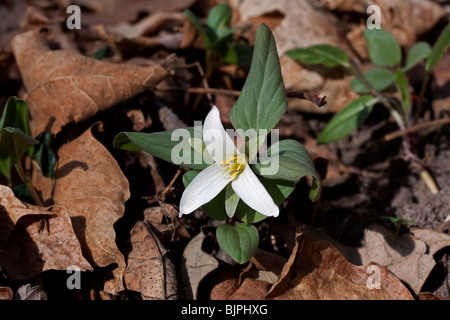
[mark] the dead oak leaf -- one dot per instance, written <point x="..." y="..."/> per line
<point x="27" y="248"/>
<point x="91" y="185"/>
<point x="316" y="270"/>
<point x="65" y="86"/>
<point x="149" y="270"/>
<point x="197" y="265"/>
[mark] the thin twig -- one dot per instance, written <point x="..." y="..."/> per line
<point x="400" y="133"/>
<point x="312" y="97"/>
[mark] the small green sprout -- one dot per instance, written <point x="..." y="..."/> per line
<point x="218" y="38"/>
<point x="16" y="143"/>
<point x="397" y="222"/>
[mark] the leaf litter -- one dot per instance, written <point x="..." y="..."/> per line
<point x="103" y="216"/>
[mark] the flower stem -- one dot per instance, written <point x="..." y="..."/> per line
<point x="28" y="184"/>
<point x="422" y="97"/>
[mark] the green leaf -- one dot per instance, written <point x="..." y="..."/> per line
<point x="417" y="53"/>
<point x="347" y="120"/>
<point x="15" y="115"/>
<point x="263" y="99"/>
<point x="219" y="17"/>
<point x="383" y="48"/>
<point x="172" y="146"/>
<point x="289" y="160"/>
<point x="216" y="207"/>
<point x="403" y="90"/>
<point x="240" y="241"/>
<point x="209" y="35"/>
<point x="279" y="190"/>
<point x="21" y="192"/>
<point x="325" y="54"/>
<point x="379" y="78"/>
<point x="15" y="142"/>
<point x="44" y="154"/>
<point x="231" y="200"/>
<point x="5" y="165"/>
<point x="438" y="49"/>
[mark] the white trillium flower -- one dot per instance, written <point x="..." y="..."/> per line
<point x="229" y="166"/>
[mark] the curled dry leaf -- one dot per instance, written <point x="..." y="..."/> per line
<point x="316" y="270"/>
<point x="91" y="185"/>
<point x="64" y="86"/>
<point x="197" y="265"/>
<point x="251" y="289"/>
<point x="28" y="292"/>
<point x="406" y="19"/>
<point x="6" y="293"/>
<point x="27" y="248"/>
<point x="410" y="258"/>
<point x="149" y="270"/>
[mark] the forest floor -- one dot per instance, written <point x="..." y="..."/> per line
<point x="318" y="250"/>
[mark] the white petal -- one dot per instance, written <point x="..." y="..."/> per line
<point x="205" y="186"/>
<point x="248" y="187"/>
<point x="218" y="143"/>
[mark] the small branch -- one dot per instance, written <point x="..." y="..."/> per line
<point x="400" y="133"/>
<point x="312" y="97"/>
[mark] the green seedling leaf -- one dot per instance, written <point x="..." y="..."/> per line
<point x="216" y="207"/>
<point x="15" y="115"/>
<point x="263" y="99"/>
<point x="347" y="120"/>
<point x="325" y="54"/>
<point x="289" y="160"/>
<point x="219" y="17"/>
<point x="44" y="154"/>
<point x="379" y="78"/>
<point x="417" y="53"/>
<point x="403" y="90"/>
<point x="209" y="35"/>
<point x="21" y="192"/>
<point x="240" y="241"/>
<point x="279" y="190"/>
<point x="15" y="142"/>
<point x="172" y="146"/>
<point x="383" y="48"/>
<point x="438" y="49"/>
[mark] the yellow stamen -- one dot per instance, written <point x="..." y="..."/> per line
<point x="235" y="166"/>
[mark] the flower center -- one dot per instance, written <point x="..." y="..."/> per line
<point x="234" y="165"/>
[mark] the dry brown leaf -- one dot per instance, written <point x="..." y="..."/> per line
<point x="406" y="19"/>
<point x="28" y="292"/>
<point x="91" y="185"/>
<point x="149" y="270"/>
<point x="226" y="284"/>
<point x="408" y="258"/>
<point x="316" y="270"/>
<point x="434" y="240"/>
<point x="251" y="289"/>
<point x="64" y="86"/>
<point x="6" y="293"/>
<point x="35" y="239"/>
<point x="197" y="265"/>
<point x="430" y="296"/>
